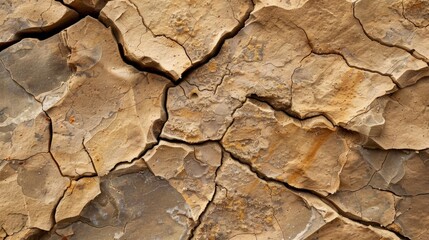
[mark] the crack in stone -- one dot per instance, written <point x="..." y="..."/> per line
<point x="159" y="35"/>
<point x="410" y="51"/>
<point x="324" y="199"/>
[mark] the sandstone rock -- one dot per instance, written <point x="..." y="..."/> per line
<point x="184" y="34"/>
<point x="406" y="119"/>
<point x="325" y="84"/>
<point x="397" y="23"/>
<point x="368" y="204"/>
<point x="290" y="4"/>
<point x="412" y="217"/>
<point x="311" y="159"/>
<point x="332" y="28"/>
<point x="132" y="205"/>
<point x="246" y="207"/>
<point x="30" y="191"/>
<point x="29" y="70"/>
<point x="343" y="229"/>
<point x="190" y="170"/>
<point x="86" y="6"/>
<point x="379" y="186"/>
<point x="201" y="107"/>
<point x="78" y="194"/>
<point x="125" y="113"/>
<point x="18" y="17"/>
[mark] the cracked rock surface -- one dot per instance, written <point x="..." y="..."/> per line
<point x="225" y="119"/>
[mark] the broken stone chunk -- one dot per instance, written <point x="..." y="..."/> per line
<point x="331" y="27"/>
<point x="287" y="149"/>
<point x="77" y="196"/>
<point x="30" y="190"/>
<point x="131" y="205"/>
<point x="19" y="17"/>
<point x="406" y="119"/>
<point x="246" y="207"/>
<point x="189" y="169"/>
<point x="184" y="34"/>
<point x="86" y="6"/>
<point x="200" y="108"/>
<point x="397" y="23"/>
<point x="325" y="84"/>
<point x="412" y="217"/>
<point x="125" y="113"/>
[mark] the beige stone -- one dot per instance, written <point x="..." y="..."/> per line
<point x="332" y="28"/>
<point x="125" y="113"/>
<point x="30" y="190"/>
<point x="18" y="17"/>
<point x="201" y="107"/>
<point x="190" y="170"/>
<point x="287" y="149"/>
<point x="380" y="186"/>
<point x="343" y="229"/>
<point x="86" y="6"/>
<point x="406" y="119"/>
<point x="187" y="32"/>
<point x="412" y="218"/>
<point x="397" y="23"/>
<point x="132" y="204"/>
<point x="325" y="84"/>
<point x="246" y="207"/>
<point x="77" y="196"/>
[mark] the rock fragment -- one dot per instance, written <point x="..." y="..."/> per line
<point x="331" y="27"/>
<point x="187" y="32"/>
<point x="398" y="121"/>
<point x="190" y="170"/>
<point x="77" y="196"/>
<point x="386" y="187"/>
<point x="201" y="107"/>
<point x="87" y="136"/>
<point x="325" y="84"/>
<point x="246" y="207"/>
<point x="30" y="190"/>
<point x="305" y="154"/>
<point x="20" y="17"/>
<point x="133" y="203"/>
<point x="397" y="23"/>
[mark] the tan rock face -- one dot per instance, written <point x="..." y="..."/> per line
<point x="126" y="207"/>
<point x="31" y="16"/>
<point x="30" y="191"/>
<point x="297" y="119"/>
<point x="398" y="121"/>
<point x="380" y="186"/>
<point x="246" y="207"/>
<point x="311" y="159"/>
<point x="201" y="107"/>
<point x="325" y="84"/>
<point x="398" y="23"/>
<point x="190" y="170"/>
<point x="187" y="33"/>
<point x="78" y="194"/>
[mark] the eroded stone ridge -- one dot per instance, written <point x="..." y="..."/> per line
<point x="301" y="119"/>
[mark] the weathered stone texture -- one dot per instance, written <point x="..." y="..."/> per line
<point x="221" y="119"/>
